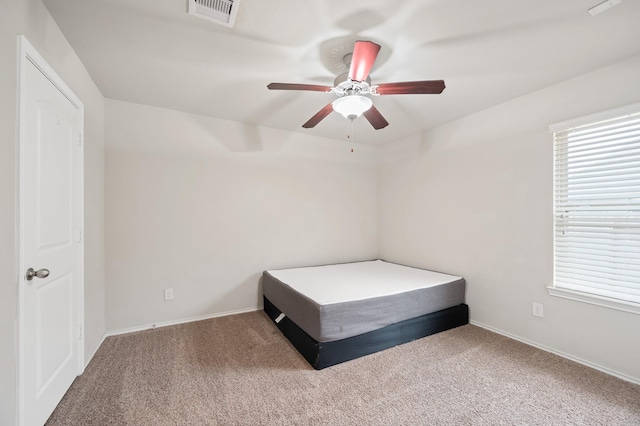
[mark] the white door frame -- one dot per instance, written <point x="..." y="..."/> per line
<point x="28" y="54"/>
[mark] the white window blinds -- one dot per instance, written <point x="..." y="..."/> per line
<point x="597" y="208"/>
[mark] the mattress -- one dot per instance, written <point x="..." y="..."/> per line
<point x="335" y="302"/>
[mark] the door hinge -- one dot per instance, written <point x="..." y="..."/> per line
<point x="79" y="138"/>
<point x="80" y="332"/>
<point x="80" y="235"/>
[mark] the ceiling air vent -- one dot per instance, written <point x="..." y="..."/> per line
<point x="218" y="11"/>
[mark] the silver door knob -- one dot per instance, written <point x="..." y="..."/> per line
<point x="41" y="273"/>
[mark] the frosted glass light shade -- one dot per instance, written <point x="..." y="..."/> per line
<point x="352" y="106"/>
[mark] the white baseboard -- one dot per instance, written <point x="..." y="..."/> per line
<point x="93" y="353"/>
<point x="562" y="354"/>
<point x="180" y="321"/>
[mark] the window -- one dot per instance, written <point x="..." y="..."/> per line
<point x="597" y="209"/>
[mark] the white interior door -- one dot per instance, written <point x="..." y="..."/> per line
<point x="50" y="305"/>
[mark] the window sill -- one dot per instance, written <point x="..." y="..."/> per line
<point x="593" y="299"/>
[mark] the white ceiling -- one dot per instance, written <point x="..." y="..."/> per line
<point x="152" y="52"/>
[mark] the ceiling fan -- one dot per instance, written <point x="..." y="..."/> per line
<point x="353" y="87"/>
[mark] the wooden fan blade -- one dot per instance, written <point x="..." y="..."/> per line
<point x="290" y="86"/>
<point x="375" y="118"/>
<point x="364" y="55"/>
<point x="412" y="87"/>
<point x="320" y="115"/>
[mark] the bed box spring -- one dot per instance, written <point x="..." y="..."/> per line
<point x="325" y="354"/>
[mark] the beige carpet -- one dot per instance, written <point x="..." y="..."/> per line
<point x="239" y="370"/>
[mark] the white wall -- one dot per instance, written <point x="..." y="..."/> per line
<point x="30" y="18"/>
<point x="204" y="205"/>
<point x="474" y="198"/>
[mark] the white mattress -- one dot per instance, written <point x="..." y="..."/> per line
<point x="335" y="302"/>
<point x="358" y="281"/>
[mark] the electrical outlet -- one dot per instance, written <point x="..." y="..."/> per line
<point x="168" y="293"/>
<point x="538" y="310"/>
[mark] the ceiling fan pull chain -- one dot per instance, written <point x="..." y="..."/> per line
<point x="350" y="129"/>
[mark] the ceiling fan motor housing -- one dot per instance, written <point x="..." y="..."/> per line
<point x="343" y="86"/>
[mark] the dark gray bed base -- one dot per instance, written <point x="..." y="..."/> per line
<point x="325" y="354"/>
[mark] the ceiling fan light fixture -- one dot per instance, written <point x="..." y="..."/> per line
<point x="352" y="106"/>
